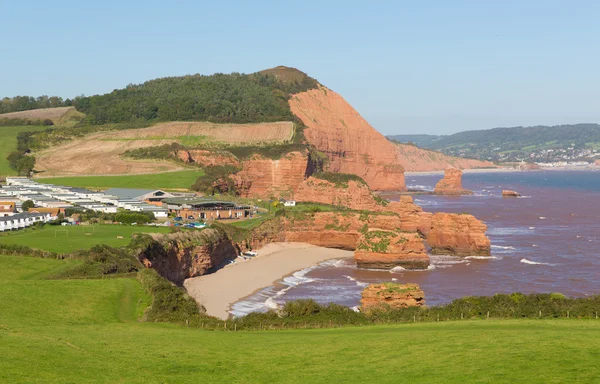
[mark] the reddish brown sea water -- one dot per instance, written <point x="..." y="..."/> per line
<point x="546" y="241"/>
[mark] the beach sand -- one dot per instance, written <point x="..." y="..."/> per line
<point x="218" y="291"/>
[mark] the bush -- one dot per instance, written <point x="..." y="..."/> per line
<point x="134" y="217"/>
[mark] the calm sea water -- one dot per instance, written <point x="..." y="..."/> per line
<point x="546" y="241"/>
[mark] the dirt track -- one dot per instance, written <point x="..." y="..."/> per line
<point x="100" y="153"/>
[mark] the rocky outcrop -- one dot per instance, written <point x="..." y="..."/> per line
<point x="265" y="178"/>
<point x="508" y="193"/>
<point x="415" y="159"/>
<point x="179" y="256"/>
<point x="529" y="166"/>
<point x="207" y="158"/>
<point x="458" y="234"/>
<point x="451" y="184"/>
<point x="392" y="295"/>
<point x="597" y="163"/>
<point x="352" y="146"/>
<point x="387" y="250"/>
<point x="353" y="194"/>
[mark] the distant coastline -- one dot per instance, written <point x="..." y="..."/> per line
<point x="505" y="169"/>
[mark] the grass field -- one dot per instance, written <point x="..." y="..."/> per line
<point x="169" y="180"/>
<point x="80" y="331"/>
<point x="8" y="144"/>
<point x="71" y="238"/>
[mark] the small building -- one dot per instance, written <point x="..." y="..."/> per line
<point x="206" y="209"/>
<point x="288" y="203"/>
<point x="7" y="208"/>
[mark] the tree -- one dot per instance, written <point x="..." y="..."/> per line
<point x="27" y="205"/>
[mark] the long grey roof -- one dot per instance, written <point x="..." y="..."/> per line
<point x="128" y="193"/>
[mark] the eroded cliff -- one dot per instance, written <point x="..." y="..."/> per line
<point x="451" y="183"/>
<point x="392" y="295"/>
<point x="352" y="145"/>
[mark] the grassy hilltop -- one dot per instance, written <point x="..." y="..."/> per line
<point x="88" y="331"/>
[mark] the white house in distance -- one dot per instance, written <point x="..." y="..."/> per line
<point x="288" y="203"/>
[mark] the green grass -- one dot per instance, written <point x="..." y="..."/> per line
<point x="75" y="238"/>
<point x="8" y="144"/>
<point x="168" y="180"/>
<point x="81" y="331"/>
<point x="25" y="268"/>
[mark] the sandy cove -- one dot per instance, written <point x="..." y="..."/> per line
<point x="218" y="291"/>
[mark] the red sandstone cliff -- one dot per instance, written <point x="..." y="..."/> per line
<point x="266" y="177"/>
<point x="179" y="256"/>
<point x="350" y="143"/>
<point x="354" y="195"/>
<point x="451" y="184"/>
<point x="416" y="159"/>
<point x="392" y="295"/>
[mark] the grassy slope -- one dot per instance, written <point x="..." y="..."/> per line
<point x="170" y="180"/>
<point x="85" y="331"/>
<point x="8" y="144"/>
<point x="49" y="240"/>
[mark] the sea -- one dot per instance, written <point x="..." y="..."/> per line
<point x="548" y="240"/>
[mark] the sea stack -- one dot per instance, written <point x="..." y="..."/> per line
<point x="508" y="193"/>
<point x="392" y="295"/>
<point x="451" y="184"/>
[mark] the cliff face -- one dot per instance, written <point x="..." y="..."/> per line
<point x="416" y="159"/>
<point x="392" y="295"/>
<point x="451" y="184"/>
<point x="354" y="195"/>
<point x="179" y="256"/>
<point x="350" y="143"/>
<point x="265" y="177"/>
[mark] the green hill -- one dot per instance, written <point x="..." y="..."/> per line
<point x="59" y="331"/>
<point x="222" y="98"/>
<point x="540" y="143"/>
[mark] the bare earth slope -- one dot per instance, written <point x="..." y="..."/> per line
<point x="415" y="159"/>
<point x="54" y="114"/>
<point x="351" y="144"/>
<point x="100" y="153"/>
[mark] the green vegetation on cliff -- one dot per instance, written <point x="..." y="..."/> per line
<point x="233" y="98"/>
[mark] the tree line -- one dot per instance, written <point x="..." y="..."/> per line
<point x="27" y="103"/>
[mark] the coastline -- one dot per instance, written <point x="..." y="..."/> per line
<point x="500" y="170"/>
<point x="219" y="290"/>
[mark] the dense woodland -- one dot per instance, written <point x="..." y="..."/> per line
<point x="220" y="98"/>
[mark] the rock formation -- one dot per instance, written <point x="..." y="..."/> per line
<point x="392" y="295"/>
<point x="508" y="193"/>
<point x="451" y="184"/>
<point x="350" y="143"/>
<point x="354" y="194"/>
<point x="207" y="158"/>
<point x="458" y="234"/>
<point x="529" y="166"/>
<point x="386" y="250"/>
<point x="597" y="163"/>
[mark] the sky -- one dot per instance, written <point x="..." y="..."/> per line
<point x="435" y="67"/>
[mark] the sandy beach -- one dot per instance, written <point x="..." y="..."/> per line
<point x="217" y="291"/>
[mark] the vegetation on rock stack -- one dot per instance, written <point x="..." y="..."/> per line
<point x="220" y="98"/>
<point x="339" y="179"/>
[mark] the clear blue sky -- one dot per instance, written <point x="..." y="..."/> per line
<point x="406" y="66"/>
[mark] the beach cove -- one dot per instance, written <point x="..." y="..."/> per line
<point x="219" y="290"/>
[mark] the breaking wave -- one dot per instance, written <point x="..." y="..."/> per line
<point x="525" y="261"/>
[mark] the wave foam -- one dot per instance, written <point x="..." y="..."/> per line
<point x="358" y="283"/>
<point x="525" y="261"/>
<point x="482" y="258"/>
<point x="502" y="247"/>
